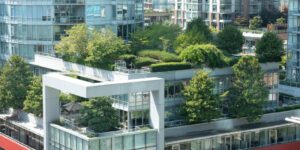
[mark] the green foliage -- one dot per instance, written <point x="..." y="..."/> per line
<point x="93" y="48"/>
<point x="255" y="23"/>
<point x="73" y="46"/>
<point x="143" y="61"/>
<point x="155" y="36"/>
<point x="269" y="15"/>
<point x="67" y="98"/>
<point x="269" y="48"/>
<point x="248" y="94"/>
<point x="201" y="103"/>
<point x="280" y="20"/>
<point x="14" y="81"/>
<point x="34" y="99"/>
<point x="160" y="55"/>
<point x="197" y="32"/>
<point x="104" y="48"/>
<point x="99" y="115"/>
<point x="170" y="66"/>
<point x="206" y="54"/>
<point x="241" y="21"/>
<point x="230" y="39"/>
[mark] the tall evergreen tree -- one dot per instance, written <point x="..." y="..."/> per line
<point x="248" y="93"/>
<point x="34" y="99"/>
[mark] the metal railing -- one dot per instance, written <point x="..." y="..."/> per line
<point x="290" y="83"/>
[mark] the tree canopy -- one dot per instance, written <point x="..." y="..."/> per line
<point x="104" y="48"/>
<point x="201" y="103"/>
<point x="34" y="99"/>
<point x="230" y="39"/>
<point x="91" y="47"/>
<point x="269" y="15"/>
<point x="269" y="48"/>
<point x="197" y="32"/>
<point x="99" y="115"/>
<point x="205" y="54"/>
<point x="73" y="46"/>
<point x="248" y="94"/>
<point x="14" y="81"/>
<point x="156" y="36"/>
<point x="255" y="23"/>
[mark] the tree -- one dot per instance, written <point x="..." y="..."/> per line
<point x="255" y="23"/>
<point x="197" y="32"/>
<point x="34" y="99"/>
<point x="99" y="115"/>
<point x="201" y="103"/>
<point x="269" y="48"/>
<point x="205" y="54"/>
<point x="73" y="46"/>
<point x="241" y="21"/>
<point x="230" y="39"/>
<point x="156" y="36"/>
<point x="248" y="94"/>
<point x="14" y="81"/>
<point x="103" y="48"/>
<point x="269" y="15"/>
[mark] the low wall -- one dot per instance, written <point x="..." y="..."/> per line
<point x="226" y="124"/>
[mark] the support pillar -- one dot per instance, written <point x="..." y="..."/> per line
<point x="51" y="111"/>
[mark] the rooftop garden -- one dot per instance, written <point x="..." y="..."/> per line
<point x="162" y="47"/>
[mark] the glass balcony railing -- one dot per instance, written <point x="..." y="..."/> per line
<point x="290" y="83"/>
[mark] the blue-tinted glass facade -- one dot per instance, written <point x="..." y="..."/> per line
<point x="30" y="26"/>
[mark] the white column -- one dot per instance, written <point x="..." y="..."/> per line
<point x="157" y="114"/>
<point x="51" y="111"/>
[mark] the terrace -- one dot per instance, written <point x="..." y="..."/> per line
<point x="61" y="132"/>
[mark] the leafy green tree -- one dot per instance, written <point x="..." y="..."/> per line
<point x="269" y="15"/>
<point x="73" y="46"/>
<point x="205" y="54"/>
<point x="156" y="36"/>
<point x="230" y="39"/>
<point x="103" y="48"/>
<point x="201" y="103"/>
<point x="241" y="21"/>
<point x="255" y="23"/>
<point x="14" y="81"/>
<point x="99" y="115"/>
<point x="269" y="48"/>
<point x="248" y="94"/>
<point x="34" y="99"/>
<point x="197" y="32"/>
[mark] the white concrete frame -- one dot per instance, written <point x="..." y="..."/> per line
<point x="53" y="83"/>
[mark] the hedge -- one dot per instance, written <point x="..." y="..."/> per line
<point x="128" y="58"/>
<point x="143" y="61"/>
<point x="160" y="55"/>
<point x="170" y="66"/>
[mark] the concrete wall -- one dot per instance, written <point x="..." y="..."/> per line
<point x="226" y="123"/>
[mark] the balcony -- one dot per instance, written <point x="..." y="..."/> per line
<point x="290" y="88"/>
<point x="66" y="138"/>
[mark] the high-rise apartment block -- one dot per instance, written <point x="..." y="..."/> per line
<point x="217" y="13"/>
<point x="30" y="26"/>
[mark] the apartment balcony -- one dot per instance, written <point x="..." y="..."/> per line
<point x="294" y="12"/>
<point x="67" y="137"/>
<point x="294" y="29"/>
<point x="291" y="88"/>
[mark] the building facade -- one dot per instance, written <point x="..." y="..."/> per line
<point x="218" y="13"/>
<point x="35" y="26"/>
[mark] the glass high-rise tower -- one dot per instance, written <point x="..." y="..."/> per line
<point x="30" y="26"/>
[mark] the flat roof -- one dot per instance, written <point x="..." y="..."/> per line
<point x="214" y="133"/>
<point x="29" y="126"/>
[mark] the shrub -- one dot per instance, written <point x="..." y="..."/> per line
<point x="128" y="58"/>
<point x="170" y="66"/>
<point x="160" y="55"/>
<point x="205" y="54"/>
<point x="143" y="61"/>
